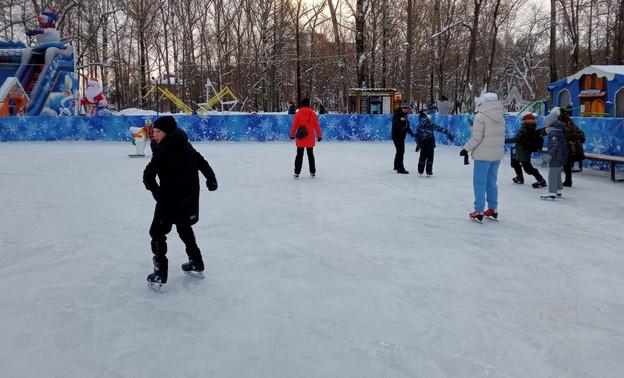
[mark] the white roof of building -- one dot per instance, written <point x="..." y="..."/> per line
<point x="608" y="71"/>
<point x="6" y="87"/>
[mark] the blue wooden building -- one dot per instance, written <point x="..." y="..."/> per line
<point x="595" y="91"/>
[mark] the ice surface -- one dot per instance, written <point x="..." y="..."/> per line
<point x="358" y="272"/>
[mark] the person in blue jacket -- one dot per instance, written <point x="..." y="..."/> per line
<point x="425" y="142"/>
<point x="558" y="151"/>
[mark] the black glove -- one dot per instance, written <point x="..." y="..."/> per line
<point x="319" y="139"/>
<point x="450" y="136"/>
<point x="212" y="186"/>
<point x="292" y="138"/>
<point x="417" y="147"/>
<point x="463" y="153"/>
<point x="154" y="195"/>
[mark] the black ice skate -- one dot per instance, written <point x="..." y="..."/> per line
<point x="193" y="269"/>
<point x="157" y="279"/>
<point x="540" y="184"/>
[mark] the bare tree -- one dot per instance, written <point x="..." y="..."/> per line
<point x="361" y="9"/>
<point x="553" y="41"/>
<point x="619" y="34"/>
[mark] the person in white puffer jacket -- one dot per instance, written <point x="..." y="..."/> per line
<point x="487" y="147"/>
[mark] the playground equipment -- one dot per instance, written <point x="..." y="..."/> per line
<point x="45" y="72"/>
<point x="13" y="97"/>
<point x="218" y="98"/>
<point x="165" y="92"/>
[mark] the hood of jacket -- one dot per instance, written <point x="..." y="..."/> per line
<point x="492" y="110"/>
<point x="558" y="125"/>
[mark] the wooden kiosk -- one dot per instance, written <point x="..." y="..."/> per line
<point x="374" y="100"/>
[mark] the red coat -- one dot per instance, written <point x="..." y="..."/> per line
<point x="306" y="116"/>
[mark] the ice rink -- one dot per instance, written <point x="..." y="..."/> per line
<point x="358" y="272"/>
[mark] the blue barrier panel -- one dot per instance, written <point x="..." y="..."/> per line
<point x="603" y="135"/>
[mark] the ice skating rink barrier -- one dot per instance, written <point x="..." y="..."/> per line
<point x="602" y="135"/>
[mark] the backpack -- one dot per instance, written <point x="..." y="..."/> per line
<point x="532" y="141"/>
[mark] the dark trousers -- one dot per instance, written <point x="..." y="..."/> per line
<point x="158" y="232"/>
<point x="528" y="168"/>
<point x="400" y="153"/>
<point x="299" y="159"/>
<point x="425" y="161"/>
<point x="567" y="169"/>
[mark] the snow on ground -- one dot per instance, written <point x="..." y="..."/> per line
<point x="358" y="272"/>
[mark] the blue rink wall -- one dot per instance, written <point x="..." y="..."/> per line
<point x="603" y="135"/>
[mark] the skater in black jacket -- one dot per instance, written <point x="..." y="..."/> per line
<point x="400" y="127"/>
<point x="425" y="142"/>
<point x="521" y="158"/>
<point x="176" y="163"/>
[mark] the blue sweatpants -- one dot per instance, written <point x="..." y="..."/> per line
<point x="484" y="178"/>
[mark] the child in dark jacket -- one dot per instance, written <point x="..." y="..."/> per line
<point x="522" y="157"/>
<point x="558" y="152"/>
<point x="425" y="142"/>
<point x="176" y="164"/>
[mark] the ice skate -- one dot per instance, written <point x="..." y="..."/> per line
<point x="491" y="214"/>
<point x="540" y="184"/>
<point x="549" y="196"/>
<point x="158" y="279"/>
<point x="518" y="180"/>
<point x="193" y="269"/>
<point x="476" y="216"/>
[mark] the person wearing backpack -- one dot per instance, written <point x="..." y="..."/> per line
<point x="575" y="137"/>
<point x="527" y="141"/>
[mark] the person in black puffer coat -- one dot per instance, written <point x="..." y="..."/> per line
<point x="400" y="127"/>
<point x="176" y="163"/>
<point x="522" y="156"/>
<point x="575" y="137"/>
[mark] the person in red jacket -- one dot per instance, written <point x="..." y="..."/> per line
<point x="306" y="119"/>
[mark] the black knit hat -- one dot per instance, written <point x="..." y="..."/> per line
<point x="166" y="124"/>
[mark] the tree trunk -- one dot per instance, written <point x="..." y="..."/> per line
<point x="407" y="96"/>
<point x="553" y="41"/>
<point x="467" y="87"/>
<point x="341" y="61"/>
<point x="619" y="37"/>
<point x="494" y="36"/>
<point x="360" y="42"/>
<point x="385" y="35"/>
